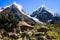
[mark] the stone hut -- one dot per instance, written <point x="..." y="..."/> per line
<point x="43" y="28"/>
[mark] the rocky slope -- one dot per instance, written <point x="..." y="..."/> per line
<point x="45" y="15"/>
<point x="18" y="12"/>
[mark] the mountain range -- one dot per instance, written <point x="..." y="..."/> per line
<point x="41" y="15"/>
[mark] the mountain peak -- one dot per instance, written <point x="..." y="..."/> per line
<point x="17" y="5"/>
<point x="43" y="6"/>
<point x="14" y="3"/>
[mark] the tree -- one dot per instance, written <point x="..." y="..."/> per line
<point x="8" y="21"/>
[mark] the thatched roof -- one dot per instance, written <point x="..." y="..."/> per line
<point x="22" y="23"/>
<point x="43" y="28"/>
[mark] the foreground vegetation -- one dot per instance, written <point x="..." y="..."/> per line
<point x="8" y="24"/>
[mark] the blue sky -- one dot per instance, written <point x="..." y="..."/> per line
<point x="30" y="5"/>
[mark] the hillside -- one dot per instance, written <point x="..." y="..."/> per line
<point x="15" y="24"/>
<point x="9" y="29"/>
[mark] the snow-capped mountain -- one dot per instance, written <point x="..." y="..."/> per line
<point x="1" y="9"/>
<point x="41" y="15"/>
<point x="14" y="8"/>
<point x="45" y="15"/>
<point x="18" y="12"/>
<point x="19" y="7"/>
